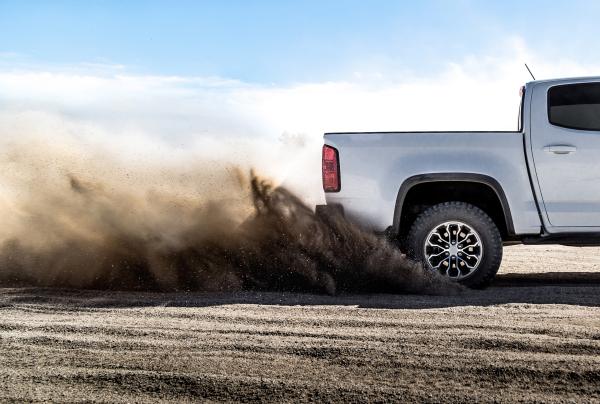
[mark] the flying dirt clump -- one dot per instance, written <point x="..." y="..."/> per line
<point x="89" y="235"/>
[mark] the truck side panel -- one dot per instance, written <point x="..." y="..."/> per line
<point x="373" y="167"/>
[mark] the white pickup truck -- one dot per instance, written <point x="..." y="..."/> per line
<point x="453" y="199"/>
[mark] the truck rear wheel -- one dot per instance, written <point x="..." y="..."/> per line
<point x="459" y="240"/>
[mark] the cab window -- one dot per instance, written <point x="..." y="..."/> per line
<point x="575" y="106"/>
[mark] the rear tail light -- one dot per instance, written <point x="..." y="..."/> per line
<point x="331" y="169"/>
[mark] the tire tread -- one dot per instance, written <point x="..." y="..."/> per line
<point x="419" y="226"/>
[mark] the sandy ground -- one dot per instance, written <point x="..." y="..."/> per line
<point x="535" y="335"/>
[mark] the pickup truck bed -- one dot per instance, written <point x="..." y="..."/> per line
<point x="374" y="165"/>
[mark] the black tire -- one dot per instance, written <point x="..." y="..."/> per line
<point x="478" y="220"/>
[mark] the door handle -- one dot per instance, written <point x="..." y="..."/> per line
<point x="560" y="149"/>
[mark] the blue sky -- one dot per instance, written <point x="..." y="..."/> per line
<point x="286" y="42"/>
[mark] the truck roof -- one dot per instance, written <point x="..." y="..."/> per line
<point x="567" y="80"/>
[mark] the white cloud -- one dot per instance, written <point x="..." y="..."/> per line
<point x="224" y="118"/>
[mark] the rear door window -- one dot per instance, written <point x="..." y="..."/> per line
<point x="575" y="106"/>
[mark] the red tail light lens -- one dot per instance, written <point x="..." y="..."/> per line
<point x="331" y="169"/>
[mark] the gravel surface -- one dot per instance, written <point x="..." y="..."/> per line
<point x="535" y="335"/>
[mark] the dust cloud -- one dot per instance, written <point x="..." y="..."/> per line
<point x="74" y="216"/>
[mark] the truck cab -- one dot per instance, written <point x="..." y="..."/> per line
<point x="563" y="145"/>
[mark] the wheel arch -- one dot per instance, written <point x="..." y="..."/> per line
<point x="460" y="180"/>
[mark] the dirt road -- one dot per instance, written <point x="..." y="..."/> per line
<point x="533" y="336"/>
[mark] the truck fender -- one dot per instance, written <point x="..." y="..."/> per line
<point x="445" y="177"/>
